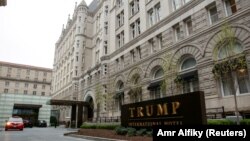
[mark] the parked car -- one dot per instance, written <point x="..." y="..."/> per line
<point x="28" y="123"/>
<point x="41" y="123"/>
<point x="14" y="123"/>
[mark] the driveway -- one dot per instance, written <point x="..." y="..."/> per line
<point x="38" y="134"/>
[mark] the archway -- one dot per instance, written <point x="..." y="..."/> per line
<point x="90" y="108"/>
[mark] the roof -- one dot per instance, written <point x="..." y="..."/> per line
<point x="93" y="5"/>
<point x="2" y="63"/>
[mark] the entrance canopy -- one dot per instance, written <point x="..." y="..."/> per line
<point x="27" y="106"/>
<point x="66" y="102"/>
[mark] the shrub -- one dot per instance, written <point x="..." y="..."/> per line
<point x="220" y="122"/>
<point x="149" y="133"/>
<point x="131" y="132"/>
<point x="141" y="132"/>
<point x="99" y="126"/>
<point x="121" y="130"/>
<point x="245" y="122"/>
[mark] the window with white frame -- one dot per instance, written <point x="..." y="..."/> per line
<point x="135" y="28"/>
<point x="120" y="39"/>
<point x="120" y="19"/>
<point x="134" y="7"/>
<point x="230" y="6"/>
<point x="189" y="75"/>
<point x="179" y="3"/>
<point x="119" y="3"/>
<point x="156" y="88"/>
<point x="177" y="32"/>
<point x="151" y="17"/>
<point x="154" y="15"/>
<point x="213" y="14"/>
<point x="157" y="13"/>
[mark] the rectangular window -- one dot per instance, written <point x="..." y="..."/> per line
<point x="35" y="86"/>
<point x="28" y="72"/>
<point x="117" y="64"/>
<point x="242" y="80"/>
<point x="157" y="13"/>
<point x="122" y="61"/>
<point x="105" y="47"/>
<point x="132" y="28"/>
<point x="177" y="4"/>
<point x="6" y="91"/>
<point x="132" y="54"/>
<point x="189" y="26"/>
<point x="43" y="86"/>
<point x="43" y="94"/>
<point x="26" y="85"/>
<point x="177" y="32"/>
<point x="17" y="84"/>
<point x="151" y="17"/>
<point x="9" y="70"/>
<point x="138" y="25"/>
<point x="138" y="49"/>
<point x="25" y="92"/>
<point x="34" y="92"/>
<point x="132" y="8"/>
<point x="230" y="6"/>
<point x="7" y="83"/>
<point x="213" y="14"/>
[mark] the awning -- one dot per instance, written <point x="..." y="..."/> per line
<point x="155" y="84"/>
<point x="66" y="102"/>
<point x="27" y="106"/>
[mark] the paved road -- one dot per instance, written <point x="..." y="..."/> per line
<point x="37" y="134"/>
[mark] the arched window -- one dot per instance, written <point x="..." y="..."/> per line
<point x="158" y="73"/>
<point x="189" y="75"/>
<point x="188" y="63"/>
<point x="156" y="86"/>
<point x="233" y="81"/>
<point x="228" y="50"/>
<point x="119" y="96"/>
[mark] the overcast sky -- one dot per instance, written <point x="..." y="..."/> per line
<point x="29" y="30"/>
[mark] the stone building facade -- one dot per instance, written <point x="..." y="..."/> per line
<point x="116" y="52"/>
<point x="25" y="80"/>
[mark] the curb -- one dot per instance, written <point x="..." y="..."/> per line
<point x="92" y="138"/>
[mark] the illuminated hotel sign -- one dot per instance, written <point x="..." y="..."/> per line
<point x="184" y="109"/>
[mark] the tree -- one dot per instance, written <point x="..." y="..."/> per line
<point x="98" y="99"/>
<point x="230" y="63"/>
<point x="110" y="96"/>
<point x="171" y="79"/>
